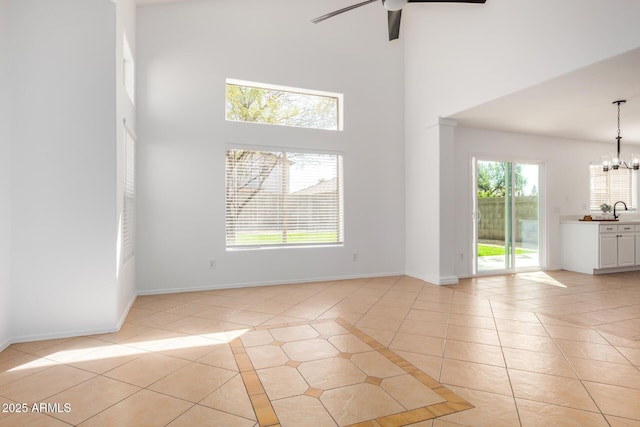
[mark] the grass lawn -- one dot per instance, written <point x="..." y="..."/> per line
<point x="276" y="238"/>
<point x="490" y="250"/>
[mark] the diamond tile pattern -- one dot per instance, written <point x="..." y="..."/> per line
<point x="527" y="349"/>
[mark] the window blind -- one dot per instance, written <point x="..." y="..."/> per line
<point x="276" y="198"/>
<point x="609" y="187"/>
<point x="129" y="205"/>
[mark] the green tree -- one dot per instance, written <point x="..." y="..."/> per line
<point x="260" y="105"/>
<point x="492" y="178"/>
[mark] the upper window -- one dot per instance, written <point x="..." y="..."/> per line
<point x="609" y="187"/>
<point x="128" y="69"/>
<point x="276" y="198"/>
<point x="269" y="104"/>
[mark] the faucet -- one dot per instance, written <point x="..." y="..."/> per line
<point x="615" y="216"/>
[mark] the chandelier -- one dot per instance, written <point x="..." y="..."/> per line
<point x="616" y="161"/>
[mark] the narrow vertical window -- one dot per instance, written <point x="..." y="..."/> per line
<point x="128" y="69"/>
<point x="129" y="205"/>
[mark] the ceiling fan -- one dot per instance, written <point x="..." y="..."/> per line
<point x="394" y="11"/>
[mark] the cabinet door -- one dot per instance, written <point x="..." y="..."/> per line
<point x="626" y="250"/>
<point x="608" y="250"/>
<point x="638" y="249"/>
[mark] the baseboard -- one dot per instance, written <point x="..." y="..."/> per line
<point x="268" y="283"/>
<point x="439" y="281"/>
<point x="125" y="313"/>
<point x="4" y="344"/>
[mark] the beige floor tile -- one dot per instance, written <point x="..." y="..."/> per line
<point x="410" y="392"/>
<point x="246" y="317"/>
<point x="418" y="344"/>
<point x="145" y="408"/>
<point x="45" y="383"/>
<point x="528" y="342"/>
<point x="91" y="397"/>
<point x="476" y="376"/>
<point x="622" y="422"/>
<point x="22" y="366"/>
<point x="307" y="350"/>
<point x="382" y="323"/>
<point x="146" y="369"/>
<point x="474" y="352"/>
<point x="536" y="414"/>
<point x="153" y="340"/>
<point x="382" y="337"/>
<point x="575" y="334"/>
<point x="221" y="357"/>
<point x="331" y="373"/>
<point x="478" y="335"/>
<point x="191" y="347"/>
<point x="430" y="365"/>
<point x="31" y="419"/>
<point x="430" y="329"/>
<point x="257" y="338"/>
<point x="615" y="400"/>
<point x="267" y="356"/>
<point x="358" y="403"/>
<point x="592" y="351"/>
<point x="376" y="365"/>
<point x="542" y="363"/>
<point x="232" y="398"/>
<point x="329" y="328"/>
<point x="293" y="333"/>
<point x="282" y="381"/>
<point x="624" y="375"/>
<point x="192" y="382"/>
<point x="472" y="321"/>
<point x="490" y="410"/>
<point x="202" y="416"/>
<point x="561" y="391"/>
<point x="429" y="316"/>
<point x="106" y="358"/>
<point x="348" y="343"/>
<point x="302" y="411"/>
<point x="631" y="354"/>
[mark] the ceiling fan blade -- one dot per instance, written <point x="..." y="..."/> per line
<point x="338" y="12"/>
<point x="394" y="23"/>
<point x="447" y="1"/>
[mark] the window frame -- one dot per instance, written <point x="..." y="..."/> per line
<point x="632" y="189"/>
<point x="303" y="244"/>
<point x="272" y="87"/>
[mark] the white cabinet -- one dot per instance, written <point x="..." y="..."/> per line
<point x="600" y="247"/>
<point x="608" y="251"/>
<point x="617" y="246"/>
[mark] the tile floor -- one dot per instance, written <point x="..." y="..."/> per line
<point x="531" y="349"/>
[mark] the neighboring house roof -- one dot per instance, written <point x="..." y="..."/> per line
<point x="322" y="187"/>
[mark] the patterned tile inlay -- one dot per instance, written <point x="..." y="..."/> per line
<point x="340" y="388"/>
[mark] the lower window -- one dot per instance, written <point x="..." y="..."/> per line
<point x="277" y="198"/>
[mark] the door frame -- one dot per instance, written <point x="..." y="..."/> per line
<point x="542" y="214"/>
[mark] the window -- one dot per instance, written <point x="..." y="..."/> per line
<point x="609" y="187"/>
<point x="278" y="198"/>
<point x="269" y="104"/>
<point x="129" y="208"/>
<point x="128" y="69"/>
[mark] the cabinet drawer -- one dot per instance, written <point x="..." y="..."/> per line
<point x="608" y="228"/>
<point x="626" y="227"/>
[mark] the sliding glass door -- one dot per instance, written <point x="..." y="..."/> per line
<point x="506" y="216"/>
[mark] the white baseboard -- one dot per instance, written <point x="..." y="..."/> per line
<point x="268" y="283"/>
<point x="445" y="280"/>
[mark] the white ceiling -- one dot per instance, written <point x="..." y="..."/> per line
<point x="577" y="105"/>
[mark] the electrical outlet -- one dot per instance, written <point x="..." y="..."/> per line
<point x="212" y="264"/>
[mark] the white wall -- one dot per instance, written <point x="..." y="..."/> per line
<point x="5" y="179"/>
<point x="125" y="112"/>
<point x="63" y="167"/>
<point x="185" y="52"/>
<point x="461" y="55"/>
<point x="566" y="181"/>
